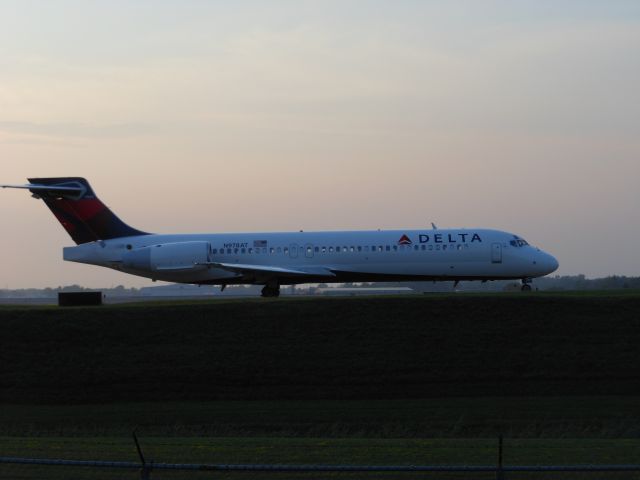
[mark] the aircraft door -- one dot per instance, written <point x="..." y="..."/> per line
<point x="308" y="250"/>
<point x="293" y="250"/>
<point x="496" y="253"/>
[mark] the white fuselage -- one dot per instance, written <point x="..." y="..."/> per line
<point x="460" y="254"/>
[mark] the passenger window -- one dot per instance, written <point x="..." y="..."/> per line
<point x="214" y="251"/>
<point x="395" y="248"/>
<point x="353" y="249"/>
<point x="330" y="249"/>
<point x="324" y="249"/>
<point x="286" y="250"/>
<point x="459" y="247"/>
<point x="228" y="250"/>
<point x="338" y="249"/>
<point x="387" y="248"/>
<point x="359" y="248"/>
<point x="316" y="249"/>
<point x="279" y="249"/>
<point x="416" y="248"/>
<point x="250" y="250"/>
<point x="272" y="250"/>
<point x="243" y="251"/>
<point x="430" y="247"/>
<point x="423" y="247"/>
<point x="366" y="248"/>
<point x="380" y="248"/>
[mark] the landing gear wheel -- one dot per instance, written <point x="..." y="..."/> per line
<point x="526" y="287"/>
<point x="271" y="290"/>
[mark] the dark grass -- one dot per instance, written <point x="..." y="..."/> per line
<point x="399" y="380"/>
<point x="316" y="451"/>
<point x="411" y="347"/>
<point x="514" y="417"/>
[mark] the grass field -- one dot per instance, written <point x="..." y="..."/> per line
<point x="515" y="417"/>
<point x="327" y="348"/>
<point x="357" y="451"/>
<point x="415" y="379"/>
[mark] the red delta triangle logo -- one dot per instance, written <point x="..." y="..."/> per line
<point x="404" y="240"/>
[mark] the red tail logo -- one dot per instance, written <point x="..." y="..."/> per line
<point x="404" y="240"/>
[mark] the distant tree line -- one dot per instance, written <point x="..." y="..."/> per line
<point x="557" y="283"/>
<point x="120" y="290"/>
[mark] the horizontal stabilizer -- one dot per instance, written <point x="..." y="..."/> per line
<point x="78" y="190"/>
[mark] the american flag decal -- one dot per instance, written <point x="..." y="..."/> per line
<point x="259" y="243"/>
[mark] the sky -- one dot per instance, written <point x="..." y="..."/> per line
<point x="217" y="116"/>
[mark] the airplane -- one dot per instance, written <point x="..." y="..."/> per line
<point x="275" y="259"/>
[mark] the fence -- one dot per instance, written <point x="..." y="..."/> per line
<point x="500" y="471"/>
<point x="145" y="468"/>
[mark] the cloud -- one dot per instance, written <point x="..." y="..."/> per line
<point x="76" y="130"/>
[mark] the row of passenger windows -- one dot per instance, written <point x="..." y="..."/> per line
<point x="332" y="249"/>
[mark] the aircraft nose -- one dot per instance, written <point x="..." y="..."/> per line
<point x="549" y="263"/>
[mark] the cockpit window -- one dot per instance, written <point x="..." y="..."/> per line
<point x="518" y="242"/>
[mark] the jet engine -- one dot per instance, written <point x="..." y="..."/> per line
<point x="168" y="256"/>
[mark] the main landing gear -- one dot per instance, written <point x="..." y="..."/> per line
<point x="271" y="289"/>
<point x="526" y="285"/>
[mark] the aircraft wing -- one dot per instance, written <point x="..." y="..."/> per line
<point x="243" y="269"/>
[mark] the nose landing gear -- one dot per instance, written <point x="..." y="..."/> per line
<point x="271" y="289"/>
<point x="526" y="285"/>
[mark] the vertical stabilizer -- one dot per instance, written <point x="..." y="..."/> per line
<point x="81" y="213"/>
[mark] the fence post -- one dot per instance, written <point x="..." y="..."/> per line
<point x="145" y="472"/>
<point x="500" y="471"/>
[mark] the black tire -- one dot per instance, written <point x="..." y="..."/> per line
<point x="526" y="287"/>
<point x="269" y="292"/>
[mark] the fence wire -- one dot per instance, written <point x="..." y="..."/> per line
<point x="146" y="470"/>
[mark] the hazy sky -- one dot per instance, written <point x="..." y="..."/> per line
<point x="214" y="116"/>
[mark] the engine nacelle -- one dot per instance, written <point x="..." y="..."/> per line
<point x="168" y="256"/>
